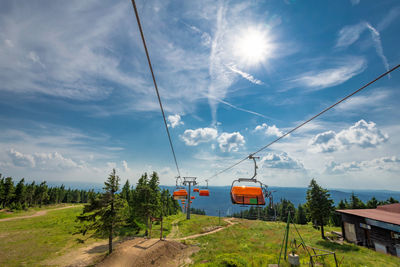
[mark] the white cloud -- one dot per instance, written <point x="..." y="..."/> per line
<point x="197" y="136"/>
<point x="320" y="79"/>
<point x="205" y="37"/>
<point x="356" y="103"/>
<point x="230" y="141"/>
<point x="380" y="164"/>
<point x="125" y="166"/>
<point x="268" y="130"/>
<point x="361" y="134"/>
<point x="350" y="34"/>
<point x="9" y="43"/>
<point x="111" y="165"/>
<point x="245" y="75"/>
<point x="389" y="18"/>
<point x="21" y="160"/>
<point x="175" y="120"/>
<point x="355" y="2"/>
<point x="44" y="161"/>
<point x="237" y="108"/>
<point x="280" y="161"/>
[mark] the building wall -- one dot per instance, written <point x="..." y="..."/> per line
<point x="376" y="234"/>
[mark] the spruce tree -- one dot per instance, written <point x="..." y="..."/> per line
<point x="8" y="191"/>
<point x="372" y="203"/>
<point x="301" y="216"/>
<point x="126" y="191"/>
<point x="2" y="192"/>
<point x="20" y="194"/>
<point x="106" y="213"/>
<point x="319" y="205"/>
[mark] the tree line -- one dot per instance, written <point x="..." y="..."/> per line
<point x="24" y="195"/>
<point x="319" y="208"/>
<point x="114" y="211"/>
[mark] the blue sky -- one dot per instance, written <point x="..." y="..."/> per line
<point x="77" y="99"/>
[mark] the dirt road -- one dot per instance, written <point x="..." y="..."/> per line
<point x="37" y="214"/>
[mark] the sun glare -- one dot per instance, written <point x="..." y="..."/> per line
<point x="253" y="46"/>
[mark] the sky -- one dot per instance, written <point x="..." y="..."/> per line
<point x="77" y="98"/>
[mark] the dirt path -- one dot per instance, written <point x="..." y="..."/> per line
<point x="154" y="252"/>
<point x="84" y="256"/>
<point x="136" y="252"/>
<point x="220" y="228"/>
<point x="37" y="214"/>
<point x="175" y="228"/>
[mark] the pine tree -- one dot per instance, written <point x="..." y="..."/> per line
<point x="42" y="193"/>
<point x="355" y="202"/>
<point x="126" y="191"/>
<point x="106" y="213"/>
<point x="2" y="192"/>
<point x="284" y="208"/>
<point x="20" y="194"/>
<point x="8" y="191"/>
<point x="319" y="205"/>
<point x="301" y="216"/>
<point x="391" y="200"/>
<point x="372" y="203"/>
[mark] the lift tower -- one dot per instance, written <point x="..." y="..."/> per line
<point x="189" y="181"/>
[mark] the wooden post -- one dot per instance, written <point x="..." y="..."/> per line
<point x="287" y="235"/>
<point x="161" y="232"/>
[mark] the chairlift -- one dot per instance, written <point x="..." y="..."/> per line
<point x="204" y="192"/>
<point x="195" y="190"/>
<point x="180" y="191"/>
<point x="192" y="197"/>
<point x="248" y="195"/>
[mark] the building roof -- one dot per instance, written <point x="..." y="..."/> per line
<point x="386" y="213"/>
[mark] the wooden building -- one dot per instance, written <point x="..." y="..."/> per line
<point x="378" y="228"/>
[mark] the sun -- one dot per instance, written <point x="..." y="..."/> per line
<point x="253" y="46"/>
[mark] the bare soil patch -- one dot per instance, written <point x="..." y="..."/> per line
<point x="147" y="252"/>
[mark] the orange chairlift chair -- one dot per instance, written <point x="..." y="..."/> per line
<point x="180" y="192"/>
<point x="195" y="190"/>
<point x="248" y="195"/>
<point x="192" y="197"/>
<point x="204" y="192"/>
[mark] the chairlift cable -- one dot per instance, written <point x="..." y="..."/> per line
<point x="307" y="121"/>
<point x="155" y="85"/>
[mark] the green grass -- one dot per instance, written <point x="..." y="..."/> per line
<point x="257" y="243"/>
<point x="30" y="211"/>
<point x="197" y="225"/>
<point x="30" y="241"/>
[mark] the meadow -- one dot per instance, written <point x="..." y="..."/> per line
<point x="258" y="243"/>
<point x="34" y="241"/>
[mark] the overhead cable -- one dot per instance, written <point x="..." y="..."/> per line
<point x="307" y="121"/>
<point x="155" y="85"/>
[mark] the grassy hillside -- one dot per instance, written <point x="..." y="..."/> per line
<point x="30" y="241"/>
<point x="257" y="243"/>
<point x="16" y="213"/>
<point x="247" y="243"/>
